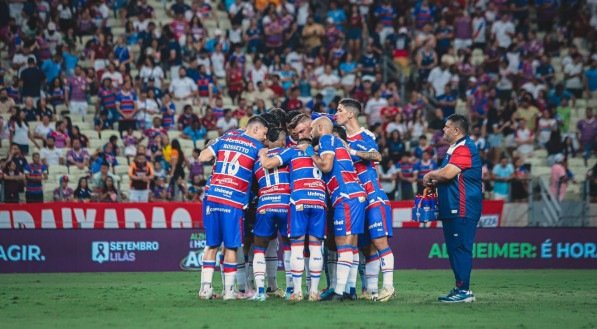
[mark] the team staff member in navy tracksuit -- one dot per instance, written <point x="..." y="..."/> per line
<point x="458" y="184"/>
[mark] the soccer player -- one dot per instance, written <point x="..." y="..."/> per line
<point x="378" y="214"/>
<point x="272" y="210"/>
<point x="227" y="198"/>
<point x="307" y="214"/>
<point x="458" y="184"/>
<point x="347" y="197"/>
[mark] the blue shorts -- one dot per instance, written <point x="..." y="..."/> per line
<point x="270" y="219"/>
<point x="349" y="217"/>
<point x="222" y="224"/>
<point x="306" y="219"/>
<point x="378" y="221"/>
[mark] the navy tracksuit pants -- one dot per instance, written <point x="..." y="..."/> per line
<point x="459" y="234"/>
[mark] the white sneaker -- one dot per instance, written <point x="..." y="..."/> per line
<point x="259" y="297"/>
<point x="205" y="293"/>
<point x="386" y="294"/>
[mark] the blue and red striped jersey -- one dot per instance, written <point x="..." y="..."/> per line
<point x="273" y="184"/>
<point x="127" y="101"/>
<point x="422" y="168"/>
<point x="364" y="141"/>
<point x="35" y="170"/>
<point x="232" y="177"/>
<point x="342" y="181"/>
<point x="306" y="185"/>
<point x="461" y="196"/>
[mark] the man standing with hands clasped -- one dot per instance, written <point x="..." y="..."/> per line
<point x="458" y="184"/>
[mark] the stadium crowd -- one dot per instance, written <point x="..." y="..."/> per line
<point x="87" y="86"/>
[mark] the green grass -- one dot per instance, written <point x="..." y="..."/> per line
<point x="505" y="299"/>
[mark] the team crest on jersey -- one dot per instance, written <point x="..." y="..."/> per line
<point x="299" y="207"/>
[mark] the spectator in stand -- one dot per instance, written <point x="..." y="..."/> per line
<point x="406" y="176"/>
<point x="148" y="107"/>
<point x="502" y="175"/>
<point x="110" y="193"/>
<point x="182" y="87"/>
<point x="31" y="79"/>
<point x="60" y="134"/>
<point x="82" y="193"/>
<point x="422" y="167"/>
<point x="14" y="181"/>
<point x="373" y="108"/>
<point x="43" y="109"/>
<point x="51" y="155"/>
<point x="30" y="110"/>
<point x="43" y="130"/>
<point x="77" y="156"/>
<point x="559" y="177"/>
<point x="141" y="173"/>
<point x="227" y="122"/>
<point x="168" y="112"/>
<point x="76" y="93"/>
<point x="35" y="173"/>
<point x="520" y="182"/>
<point x="159" y="190"/>
<point x="524" y="139"/>
<point x="126" y="106"/>
<point x="591" y="79"/>
<point x="63" y="192"/>
<point x="587" y="134"/>
<point x="194" y="132"/>
<point x="186" y="118"/>
<point x="20" y="134"/>
<point x="98" y="179"/>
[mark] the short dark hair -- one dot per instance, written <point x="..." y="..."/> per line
<point x="352" y="104"/>
<point x="257" y="119"/>
<point x="460" y="121"/>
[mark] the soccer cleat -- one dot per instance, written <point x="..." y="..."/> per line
<point x="458" y="296"/>
<point x="296" y="297"/>
<point x="334" y="297"/>
<point x="366" y="295"/>
<point x="279" y="293"/>
<point x="259" y="297"/>
<point x="386" y="294"/>
<point x="206" y="293"/>
<point x="314" y="297"/>
<point x="351" y="296"/>
<point x="326" y="294"/>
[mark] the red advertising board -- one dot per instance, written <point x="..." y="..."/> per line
<point x="175" y="215"/>
<point x="76" y="215"/>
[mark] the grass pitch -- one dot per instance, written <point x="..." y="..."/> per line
<point x="505" y="299"/>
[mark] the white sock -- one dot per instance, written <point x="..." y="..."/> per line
<point x="229" y="276"/>
<point x="387" y="267"/>
<point x="372" y="273"/>
<point x="250" y="275"/>
<point x="207" y="273"/>
<point x="241" y="271"/>
<point x="271" y="261"/>
<point x="297" y="264"/>
<point x="259" y="268"/>
<point x="354" y="271"/>
<point x="343" y="268"/>
<point x="287" y="267"/>
<point x="332" y="264"/>
<point x="315" y="265"/>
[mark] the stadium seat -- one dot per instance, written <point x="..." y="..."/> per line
<point x="57" y="170"/>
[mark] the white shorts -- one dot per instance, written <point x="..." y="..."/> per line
<point x="78" y="107"/>
<point x="138" y="195"/>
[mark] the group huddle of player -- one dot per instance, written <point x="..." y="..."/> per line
<point x="311" y="180"/>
